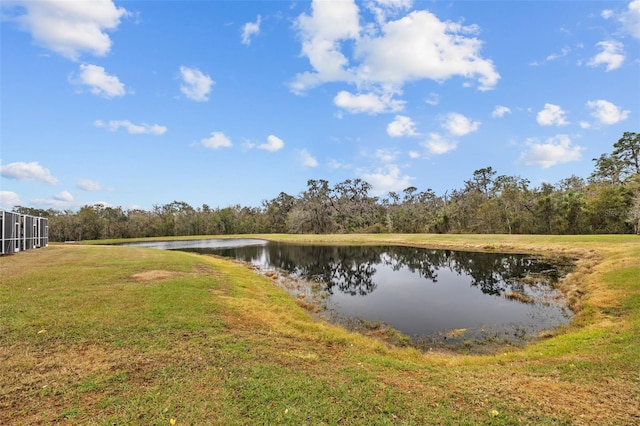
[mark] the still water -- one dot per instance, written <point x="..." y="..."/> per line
<point x="429" y="295"/>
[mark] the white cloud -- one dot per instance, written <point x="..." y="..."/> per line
<point x="420" y="46"/>
<point x="401" y="126"/>
<point x="250" y="29"/>
<point x="459" y="125"/>
<point x="195" y="85"/>
<point x="606" y="112"/>
<point x="90" y="185"/>
<point x="564" y="52"/>
<point x="606" y="14"/>
<point x="367" y="103"/>
<point x="612" y="55"/>
<point x="63" y="196"/>
<point x="394" y="4"/>
<point x="433" y="99"/>
<point x="217" y="140"/>
<point x="58" y="202"/>
<point x="437" y="145"/>
<point x="27" y="171"/>
<point x="134" y="129"/>
<point x="100" y="83"/>
<point x="414" y="154"/>
<point x="71" y="27"/>
<point x="321" y="34"/>
<point x="500" y="111"/>
<point x="273" y="144"/>
<point x="552" y="57"/>
<point x="9" y="199"/>
<point x="386" y="155"/>
<point x="387" y="54"/>
<point x="382" y="9"/>
<point x="335" y="164"/>
<point x="552" y="115"/>
<point x="307" y="159"/>
<point x="556" y="150"/>
<point x="248" y="144"/>
<point x="630" y="19"/>
<point x="388" y="178"/>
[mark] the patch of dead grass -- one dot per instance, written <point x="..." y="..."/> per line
<point x="35" y="380"/>
<point x="612" y="404"/>
<point x="158" y="275"/>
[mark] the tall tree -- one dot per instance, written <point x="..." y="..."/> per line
<point x="545" y="210"/>
<point x="607" y="207"/>
<point x="89" y="225"/>
<point x="634" y="213"/>
<point x="114" y="222"/>
<point x="514" y="199"/>
<point x="609" y="169"/>
<point x="355" y="209"/>
<point x="572" y="183"/>
<point x="277" y="210"/>
<point x="627" y="150"/>
<point x="572" y="208"/>
<point x="481" y="181"/>
<point x="313" y="213"/>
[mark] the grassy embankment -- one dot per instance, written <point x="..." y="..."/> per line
<point x="121" y="335"/>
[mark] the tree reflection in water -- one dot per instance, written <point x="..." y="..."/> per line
<point x="351" y="269"/>
<point x="430" y="295"/>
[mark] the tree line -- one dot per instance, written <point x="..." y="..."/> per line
<point x="608" y="201"/>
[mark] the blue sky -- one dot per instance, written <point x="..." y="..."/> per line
<point x="136" y="103"/>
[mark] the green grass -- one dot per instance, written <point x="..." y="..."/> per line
<point x="121" y="335"/>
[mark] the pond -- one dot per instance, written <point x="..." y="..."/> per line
<point x="437" y="298"/>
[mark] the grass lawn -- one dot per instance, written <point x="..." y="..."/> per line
<point x="105" y="335"/>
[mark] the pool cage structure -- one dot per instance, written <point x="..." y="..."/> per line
<point x="22" y="232"/>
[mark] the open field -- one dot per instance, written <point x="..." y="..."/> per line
<point x="105" y="335"/>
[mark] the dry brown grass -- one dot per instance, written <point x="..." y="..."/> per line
<point x="155" y="276"/>
<point x="520" y="297"/>
<point x="210" y="342"/>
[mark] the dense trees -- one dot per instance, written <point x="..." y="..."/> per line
<point x="607" y="202"/>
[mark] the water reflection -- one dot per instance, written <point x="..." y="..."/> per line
<point x="350" y="269"/>
<point x="421" y="292"/>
